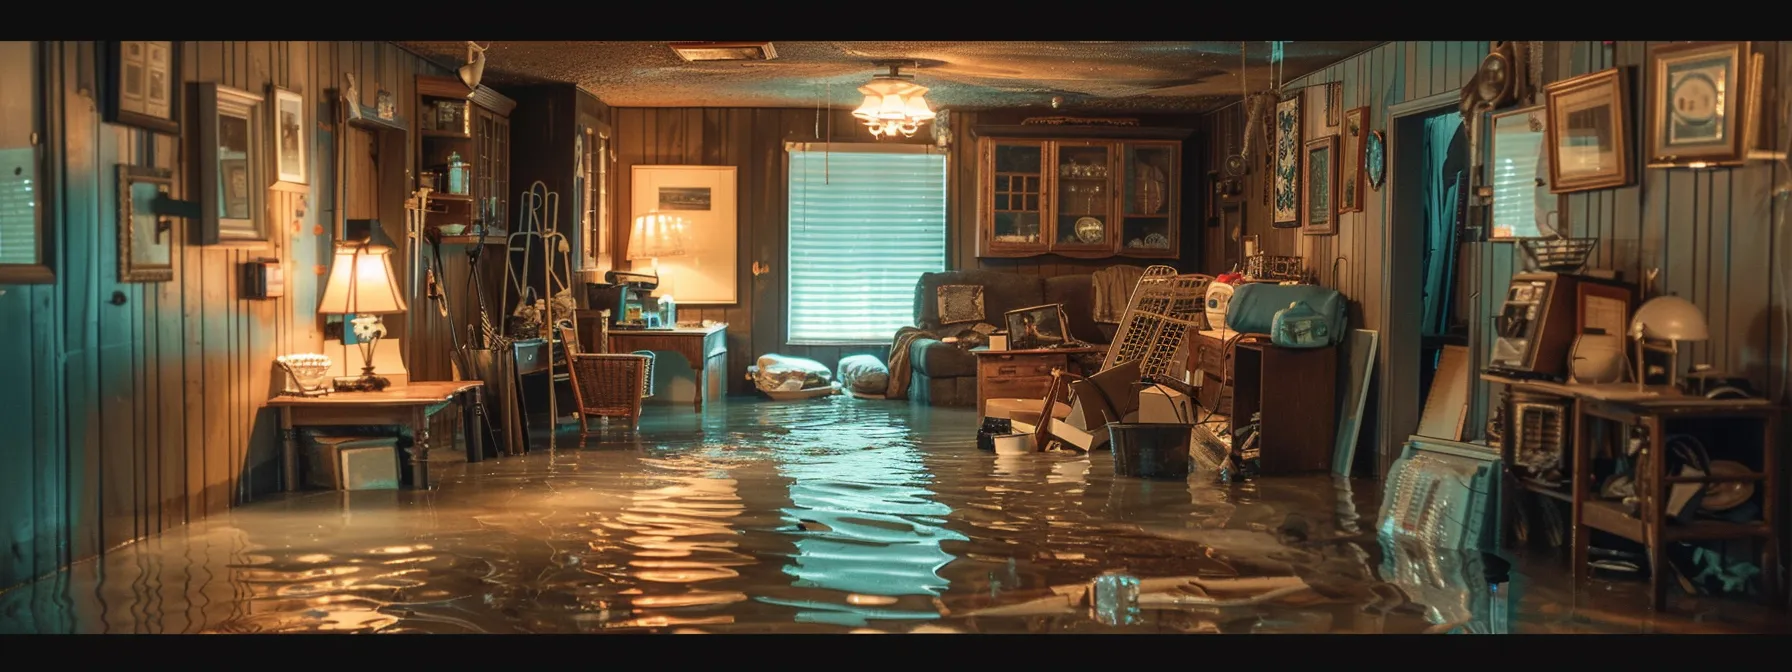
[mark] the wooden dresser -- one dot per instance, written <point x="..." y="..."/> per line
<point x="1294" y="389"/>
<point x="1022" y="374"/>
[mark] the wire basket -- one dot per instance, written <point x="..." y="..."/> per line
<point x="1558" y="255"/>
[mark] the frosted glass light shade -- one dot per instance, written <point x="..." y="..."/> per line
<point x="656" y="234"/>
<point x="361" y="282"/>
<point x="1669" y="318"/>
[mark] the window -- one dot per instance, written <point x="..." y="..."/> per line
<point x="866" y="220"/>
<point x="22" y="244"/>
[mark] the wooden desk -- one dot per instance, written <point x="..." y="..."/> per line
<point x="410" y="406"/>
<point x="1022" y="374"/>
<point x="1653" y="410"/>
<point x="705" y="348"/>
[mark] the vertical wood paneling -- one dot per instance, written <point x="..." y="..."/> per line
<point x="1712" y="234"/>
<point x="144" y="400"/>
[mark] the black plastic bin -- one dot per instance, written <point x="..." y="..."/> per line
<point x="1150" y="450"/>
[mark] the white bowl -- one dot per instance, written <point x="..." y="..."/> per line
<point x="452" y="229"/>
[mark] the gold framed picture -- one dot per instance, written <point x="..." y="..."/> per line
<point x="1698" y="102"/>
<point x="1589" y="132"/>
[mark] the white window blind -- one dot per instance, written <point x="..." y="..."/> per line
<point x="866" y="220"/>
<point x="1515" y="185"/>
<point x="18" y="156"/>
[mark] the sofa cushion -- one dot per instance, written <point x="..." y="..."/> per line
<point x="940" y="360"/>
<point x="1002" y="292"/>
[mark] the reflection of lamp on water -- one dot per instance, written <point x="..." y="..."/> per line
<point x="362" y="287"/>
<point x="1671" y="319"/>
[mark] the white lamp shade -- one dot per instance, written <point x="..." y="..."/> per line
<point x="361" y="282"/>
<point x="1669" y="318"/>
<point x="656" y="234"/>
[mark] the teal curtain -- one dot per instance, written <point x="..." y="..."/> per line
<point x="1442" y="189"/>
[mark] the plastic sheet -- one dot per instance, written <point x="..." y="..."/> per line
<point x="780" y="372"/>
<point x="864" y="374"/>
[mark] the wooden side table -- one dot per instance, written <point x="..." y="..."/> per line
<point x="1022" y="374"/>
<point x="410" y="406"/>
<point x="1655" y="412"/>
<point x="706" y="348"/>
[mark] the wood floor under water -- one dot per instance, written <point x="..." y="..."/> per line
<point x="827" y="516"/>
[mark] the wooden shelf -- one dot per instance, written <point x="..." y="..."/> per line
<point x="473" y="240"/>
<point x="1549" y="491"/>
<point x="445" y="135"/>
<point x="439" y="196"/>
<point x="1073" y="131"/>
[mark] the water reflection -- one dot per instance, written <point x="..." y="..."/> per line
<point x="867" y="533"/>
<point x="836" y="515"/>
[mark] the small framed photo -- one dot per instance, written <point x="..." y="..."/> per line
<point x="1698" y="104"/>
<point x="291" y="163"/>
<point x="143" y="85"/>
<point x="1037" y="327"/>
<point x="1588" y="131"/>
<point x="1351" y="183"/>
<point x="1319" y="187"/>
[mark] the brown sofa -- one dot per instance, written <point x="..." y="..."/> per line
<point x="946" y="375"/>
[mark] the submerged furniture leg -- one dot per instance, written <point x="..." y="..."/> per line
<point x="469" y="425"/>
<point x="420" y="449"/>
<point x="289" y="452"/>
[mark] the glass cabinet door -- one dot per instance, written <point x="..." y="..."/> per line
<point x="1016" y="188"/>
<point x="1083" y="207"/>
<point x="1148" y="199"/>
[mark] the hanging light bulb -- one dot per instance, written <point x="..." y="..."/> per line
<point x="893" y="104"/>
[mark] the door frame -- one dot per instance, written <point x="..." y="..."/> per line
<point x="1401" y="341"/>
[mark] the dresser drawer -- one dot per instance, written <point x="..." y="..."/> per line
<point x="1014" y="387"/>
<point x="1010" y="366"/>
<point x="531" y="356"/>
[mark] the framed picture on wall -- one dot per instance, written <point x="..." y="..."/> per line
<point x="292" y="164"/>
<point x="704" y="197"/>
<point x="1352" y="186"/>
<point x="145" y="239"/>
<point x="1285" y="206"/>
<point x="228" y="168"/>
<point x="1697" y="103"/>
<point x="1319" y="187"/>
<point x="1589" y="132"/>
<point x="143" y="85"/>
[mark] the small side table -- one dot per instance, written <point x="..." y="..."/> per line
<point x="410" y="406"/>
<point x="706" y="348"/>
<point x="1022" y="374"/>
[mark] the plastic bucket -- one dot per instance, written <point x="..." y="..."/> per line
<point x="1150" y="450"/>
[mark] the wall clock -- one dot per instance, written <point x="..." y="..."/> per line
<point x="1375" y="159"/>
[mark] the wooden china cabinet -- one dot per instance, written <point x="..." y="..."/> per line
<point x="475" y="126"/>
<point x="1090" y="192"/>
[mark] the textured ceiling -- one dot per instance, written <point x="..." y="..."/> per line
<point x="1092" y="76"/>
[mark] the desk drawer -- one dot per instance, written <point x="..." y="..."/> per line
<point x="1024" y="365"/>
<point x="531" y="356"/>
<point x="1015" y="387"/>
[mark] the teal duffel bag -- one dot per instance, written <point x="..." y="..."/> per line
<point x="1254" y="307"/>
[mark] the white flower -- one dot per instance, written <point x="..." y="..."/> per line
<point x="369" y="327"/>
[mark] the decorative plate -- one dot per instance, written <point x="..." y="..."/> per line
<point x="1151" y="189"/>
<point x="1375" y="159"/>
<point x="1157" y="240"/>
<point x="1090" y="230"/>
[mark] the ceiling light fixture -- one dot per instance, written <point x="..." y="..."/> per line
<point x="894" y="104"/>
<point x="724" y="51"/>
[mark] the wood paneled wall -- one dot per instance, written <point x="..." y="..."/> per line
<point x="1712" y="233"/>
<point x="142" y="404"/>
<point x="753" y="139"/>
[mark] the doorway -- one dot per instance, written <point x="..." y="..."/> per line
<point x="1428" y="306"/>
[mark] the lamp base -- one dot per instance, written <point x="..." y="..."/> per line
<point x="367" y="382"/>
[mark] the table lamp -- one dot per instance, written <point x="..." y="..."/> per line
<point x="362" y="287"/>
<point x="656" y="235"/>
<point x="1667" y="318"/>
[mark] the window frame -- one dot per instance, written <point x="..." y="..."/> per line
<point x="859" y="148"/>
<point x="42" y="272"/>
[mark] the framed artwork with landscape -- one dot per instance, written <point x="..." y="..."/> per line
<point x="1285" y="211"/>
<point x="143" y="85"/>
<point x="704" y="196"/>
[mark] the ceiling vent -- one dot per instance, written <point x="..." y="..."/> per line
<point x="724" y="51"/>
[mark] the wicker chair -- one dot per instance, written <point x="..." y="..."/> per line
<point x="608" y="385"/>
